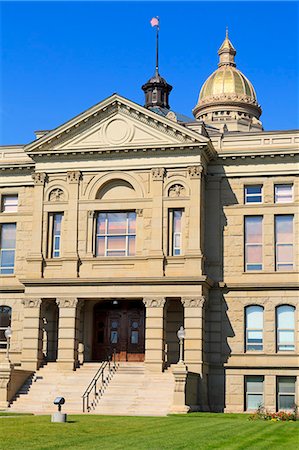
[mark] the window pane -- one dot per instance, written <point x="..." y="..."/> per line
<point x="286" y="336"/>
<point x="101" y="223"/>
<point x="286" y="385"/>
<point x="254" y="384"/>
<point x="283" y="193"/>
<point x="286" y="317"/>
<point x="253" y="194"/>
<point x="284" y="253"/>
<point x="284" y="229"/>
<point x="131" y="249"/>
<point x="254" y="316"/>
<point x="116" y="243"/>
<point x="57" y="223"/>
<point x="284" y="267"/>
<point x="286" y="401"/>
<point x="8" y="235"/>
<point x="5" y="316"/>
<point x="100" y="246"/>
<point x="177" y="220"/>
<point x="253" y="229"/>
<point x="132" y="222"/>
<point x="254" y="337"/>
<point x="254" y="254"/>
<point x="117" y="223"/>
<point x="134" y="337"/>
<point x="116" y="253"/>
<point x="10" y="203"/>
<point x="254" y="189"/>
<point x="7" y="258"/>
<point x="254" y="401"/>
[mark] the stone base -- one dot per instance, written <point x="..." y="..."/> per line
<point x="59" y="417"/>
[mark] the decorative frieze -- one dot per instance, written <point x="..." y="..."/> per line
<point x="57" y="195"/>
<point x="158" y="173"/>
<point x="177" y="190"/>
<point x="193" y="302"/>
<point x="195" y="171"/>
<point x="32" y="302"/>
<point x="154" y="302"/>
<point x="73" y="177"/>
<point x="39" y="178"/>
<point x="67" y="302"/>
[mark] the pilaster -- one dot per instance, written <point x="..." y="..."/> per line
<point x="193" y="324"/>
<point x="68" y="333"/>
<point x="156" y="251"/>
<point x="154" y="333"/>
<point x="32" y="351"/>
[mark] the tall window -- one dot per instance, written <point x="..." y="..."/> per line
<point x="175" y="232"/>
<point x="55" y="223"/>
<point x="5" y="321"/>
<point x="283" y="193"/>
<point x="9" y="203"/>
<point x="284" y="242"/>
<point x="285" y="328"/>
<point x="253" y="243"/>
<point x="253" y="194"/>
<point x="254" y="327"/>
<point x="286" y="393"/>
<point x="116" y="234"/>
<point x="7" y="248"/>
<point x="254" y="392"/>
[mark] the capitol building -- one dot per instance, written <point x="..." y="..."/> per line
<point x="128" y="223"/>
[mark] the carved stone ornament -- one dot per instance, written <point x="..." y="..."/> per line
<point x="177" y="190"/>
<point x="139" y="212"/>
<point x="154" y="302"/>
<point x="57" y="195"/>
<point x="91" y="214"/>
<point x="64" y="302"/>
<point x="172" y="116"/>
<point x="32" y="302"/>
<point x="39" y="178"/>
<point x="158" y="173"/>
<point x="193" y="302"/>
<point x="194" y="171"/>
<point x="73" y="177"/>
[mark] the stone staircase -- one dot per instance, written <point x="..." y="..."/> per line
<point x="131" y="391"/>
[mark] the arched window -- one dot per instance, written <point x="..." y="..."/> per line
<point x="5" y="321"/>
<point x="254" y="316"/>
<point x="285" y="328"/>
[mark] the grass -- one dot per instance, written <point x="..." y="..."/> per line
<point x="194" y="431"/>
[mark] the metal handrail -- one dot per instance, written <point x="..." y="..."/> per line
<point x="104" y="380"/>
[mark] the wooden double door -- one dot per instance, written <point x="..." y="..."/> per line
<point x="119" y="327"/>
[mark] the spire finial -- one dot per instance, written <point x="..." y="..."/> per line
<point x="227" y="52"/>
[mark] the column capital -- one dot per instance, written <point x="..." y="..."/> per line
<point x="154" y="302"/>
<point x="195" y="171"/>
<point x="158" y="173"/>
<point x="67" y="302"/>
<point x="39" y="178"/>
<point x="32" y="302"/>
<point x="193" y="302"/>
<point x="73" y="177"/>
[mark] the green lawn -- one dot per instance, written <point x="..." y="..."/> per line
<point x="193" y="431"/>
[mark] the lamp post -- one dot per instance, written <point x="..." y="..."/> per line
<point x="8" y="335"/>
<point x="181" y="336"/>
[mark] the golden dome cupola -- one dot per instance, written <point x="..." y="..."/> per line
<point x="227" y="96"/>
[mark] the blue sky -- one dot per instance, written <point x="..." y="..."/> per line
<point x="60" y="58"/>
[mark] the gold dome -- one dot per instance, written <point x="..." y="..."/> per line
<point x="227" y="91"/>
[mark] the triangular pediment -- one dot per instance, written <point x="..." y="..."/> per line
<point x="116" y="123"/>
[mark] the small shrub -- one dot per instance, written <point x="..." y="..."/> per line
<point x="281" y="416"/>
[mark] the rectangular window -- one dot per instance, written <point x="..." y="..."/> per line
<point x="253" y="243"/>
<point x="283" y="193"/>
<point x="254" y="392"/>
<point x="9" y="203"/>
<point x="286" y="393"/>
<point x="175" y="232"/>
<point x="285" y="327"/>
<point x="284" y="242"/>
<point x="116" y="234"/>
<point x="254" y="316"/>
<point x="253" y="194"/>
<point x="55" y="223"/>
<point x="7" y="248"/>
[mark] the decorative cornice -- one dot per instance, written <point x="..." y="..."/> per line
<point x="158" y="173"/>
<point x="195" y="171"/>
<point x="32" y="302"/>
<point x="193" y="302"/>
<point x="67" y="302"/>
<point x="154" y="302"/>
<point x="39" y="178"/>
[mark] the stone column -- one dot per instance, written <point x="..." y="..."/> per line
<point x="71" y="239"/>
<point x="193" y="324"/>
<point x="35" y="257"/>
<point x="154" y="333"/>
<point x="156" y="251"/>
<point x="32" y="351"/>
<point x="67" y="333"/>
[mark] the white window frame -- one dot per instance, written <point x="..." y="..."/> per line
<point x="15" y="204"/>
<point x="173" y="235"/>
<point x="279" y="265"/>
<point x="277" y="186"/>
<point x="8" y="249"/>
<point x="278" y="329"/>
<point x="251" y="244"/>
<point x="281" y="394"/>
<point x="107" y="235"/>
<point x="52" y="252"/>
<point x="247" y="330"/>
<point x="248" y="195"/>
<point x="253" y="392"/>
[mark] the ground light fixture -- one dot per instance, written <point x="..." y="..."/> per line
<point x="181" y="336"/>
<point x="8" y="335"/>
<point x="59" y="416"/>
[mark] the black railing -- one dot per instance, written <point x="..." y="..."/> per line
<point x="98" y="384"/>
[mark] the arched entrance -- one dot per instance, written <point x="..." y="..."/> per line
<point x="118" y="326"/>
